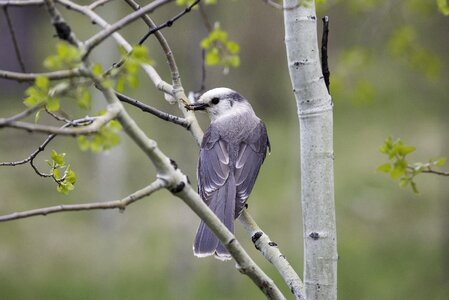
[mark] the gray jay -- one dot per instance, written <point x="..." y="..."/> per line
<point x="231" y="153"/>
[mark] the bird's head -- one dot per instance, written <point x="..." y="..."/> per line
<point x="221" y="102"/>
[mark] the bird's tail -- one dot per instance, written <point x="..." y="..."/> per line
<point x="223" y="205"/>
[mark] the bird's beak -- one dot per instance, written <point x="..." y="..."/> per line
<point x="196" y="106"/>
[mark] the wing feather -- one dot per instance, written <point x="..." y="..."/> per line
<point x="252" y="152"/>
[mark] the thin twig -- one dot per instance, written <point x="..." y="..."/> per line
<point x="105" y="33"/>
<point x="202" y="87"/>
<point x="32" y="156"/>
<point x="116" y="204"/>
<point x="430" y="171"/>
<point x="96" y="19"/>
<point x="111" y="112"/>
<point x="56" y="75"/>
<point x="21" y="115"/>
<point x="169" y="23"/>
<point x="324" y="57"/>
<point x="436" y="172"/>
<point x="149" y="109"/>
<point x="14" y="40"/>
<point x="205" y="18"/>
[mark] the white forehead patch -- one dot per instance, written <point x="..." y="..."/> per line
<point x="217" y="92"/>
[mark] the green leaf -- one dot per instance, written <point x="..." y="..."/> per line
<point x="42" y="82"/>
<point x="140" y="53"/>
<point x="403" y="182"/>
<point x="440" y="162"/>
<point x="120" y="85"/>
<point x="56" y="174"/>
<point x="83" y="143"/>
<point x="443" y="7"/>
<point x="398" y="170"/>
<point x="233" y="47"/>
<point x="212" y="58"/>
<point x="53" y="104"/>
<point x="404" y="150"/>
<point x="70" y="176"/>
<point x="83" y="97"/>
<point x="386" y="167"/>
<point x="97" y="69"/>
<point x="414" y="188"/>
<point x="67" y="56"/>
<point x="31" y="101"/>
<point x="58" y="158"/>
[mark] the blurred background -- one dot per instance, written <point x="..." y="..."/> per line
<point x="389" y="77"/>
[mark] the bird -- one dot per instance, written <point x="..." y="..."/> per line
<point x="233" y="148"/>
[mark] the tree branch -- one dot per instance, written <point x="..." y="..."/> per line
<point x="63" y="30"/>
<point x="116" y="204"/>
<point x="21" y="115"/>
<point x="176" y="90"/>
<point x="111" y="113"/>
<point x="97" y="3"/>
<point x="14" y="40"/>
<point x="56" y="75"/>
<point x="95" y="40"/>
<point x="149" y="109"/>
<point x="32" y="156"/>
<point x="324" y="58"/>
<point x="20" y="3"/>
<point x="272" y="253"/>
<point x="96" y="19"/>
<point x="169" y="23"/>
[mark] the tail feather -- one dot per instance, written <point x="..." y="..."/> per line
<point x="223" y="205"/>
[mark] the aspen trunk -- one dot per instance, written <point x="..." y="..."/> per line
<point x="316" y="136"/>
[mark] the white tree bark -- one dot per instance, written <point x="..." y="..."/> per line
<point x="316" y="136"/>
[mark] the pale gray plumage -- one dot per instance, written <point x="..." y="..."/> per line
<point x="232" y="151"/>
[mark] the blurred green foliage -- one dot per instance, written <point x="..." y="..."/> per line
<point x="392" y="243"/>
<point x="399" y="168"/>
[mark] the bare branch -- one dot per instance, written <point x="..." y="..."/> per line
<point x="205" y="18"/>
<point x="111" y="112"/>
<point x="429" y="170"/>
<point x="324" y="58"/>
<point x="96" y="19"/>
<point x="271" y="252"/>
<point x="32" y="156"/>
<point x="105" y="33"/>
<point x="97" y="3"/>
<point x="20" y="3"/>
<point x="436" y="172"/>
<point x="21" y="115"/>
<point x="62" y="28"/>
<point x="164" y="44"/>
<point x="149" y="109"/>
<point x="116" y="204"/>
<point x="56" y="75"/>
<point x="14" y="40"/>
<point x="169" y="23"/>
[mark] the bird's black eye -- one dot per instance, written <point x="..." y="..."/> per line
<point x="215" y="100"/>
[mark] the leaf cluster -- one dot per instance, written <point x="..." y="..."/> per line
<point x="63" y="175"/>
<point x="107" y="137"/>
<point x="399" y="168"/>
<point x="39" y="94"/>
<point x="220" y="51"/>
